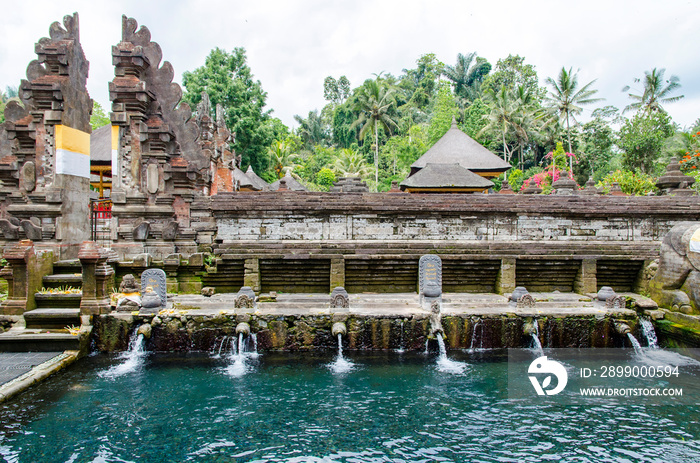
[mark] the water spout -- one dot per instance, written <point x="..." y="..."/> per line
<point x="339" y="328"/>
<point x="341" y="365"/>
<point x="649" y="333"/>
<point x="622" y="328"/>
<point x="635" y="343"/>
<point x="446" y="365"/>
<point x="243" y="328"/>
<point x="435" y="319"/>
<point x="532" y="329"/>
<point x="472" y="344"/>
<point x="133" y="357"/>
<point x="240" y="353"/>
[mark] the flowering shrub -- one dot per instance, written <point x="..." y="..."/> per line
<point x="558" y="167"/>
<point x="691" y="161"/>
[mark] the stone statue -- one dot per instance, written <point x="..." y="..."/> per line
<point x="129" y="299"/>
<point x="676" y="285"/>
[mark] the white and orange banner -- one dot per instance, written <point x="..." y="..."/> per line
<point x="72" y="152"/>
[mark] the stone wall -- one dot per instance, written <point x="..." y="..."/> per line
<point x="184" y="332"/>
<point x="494" y="218"/>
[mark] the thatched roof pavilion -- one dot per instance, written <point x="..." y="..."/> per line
<point x="445" y="178"/>
<point x="456" y="147"/>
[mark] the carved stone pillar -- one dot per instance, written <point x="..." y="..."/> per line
<point x="98" y="279"/>
<point x="19" y="258"/>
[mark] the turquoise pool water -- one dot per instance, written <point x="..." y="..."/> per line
<point x="292" y="407"/>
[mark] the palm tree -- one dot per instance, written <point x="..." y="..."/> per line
<point x="373" y="103"/>
<point x="501" y="117"/>
<point x="466" y="75"/>
<point x="282" y="158"/>
<point x="566" y="99"/>
<point x="312" y="130"/>
<point x="351" y="163"/>
<point x="656" y="91"/>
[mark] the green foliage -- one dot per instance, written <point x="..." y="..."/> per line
<point x="98" y="118"/>
<point x="467" y="75"/>
<point x="351" y="163"/>
<point x="403" y="150"/>
<point x="325" y="178"/>
<point x="657" y="90"/>
<point x="641" y="139"/>
<point x="517" y="177"/>
<point x="594" y="150"/>
<point x="511" y="73"/>
<point x="282" y="157"/>
<point x="444" y="110"/>
<point x="632" y="183"/>
<point x="228" y="81"/>
<point x="312" y="130"/>
<point x="421" y="83"/>
<point x="566" y="98"/>
<point x="336" y="91"/>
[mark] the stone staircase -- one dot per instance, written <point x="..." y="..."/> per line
<point x="49" y="326"/>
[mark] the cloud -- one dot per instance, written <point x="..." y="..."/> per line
<point x="293" y="45"/>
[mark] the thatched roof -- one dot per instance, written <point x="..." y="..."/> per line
<point x="101" y="145"/>
<point x="456" y="147"/>
<point x="257" y="182"/>
<point x="244" y="182"/>
<point x="445" y="176"/>
<point x="292" y="184"/>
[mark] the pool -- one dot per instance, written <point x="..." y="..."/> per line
<point x="388" y="407"/>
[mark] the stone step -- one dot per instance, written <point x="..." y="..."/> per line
<point x="52" y="318"/>
<point x="58" y="301"/>
<point x="63" y="279"/>
<point x="67" y="266"/>
<point x="30" y="341"/>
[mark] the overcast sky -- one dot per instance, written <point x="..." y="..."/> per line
<point x="293" y="45"/>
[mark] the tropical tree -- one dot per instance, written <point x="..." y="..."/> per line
<point x="99" y="117"/>
<point x="501" y="116"/>
<point x="373" y="103"/>
<point x="351" y="163"/>
<point x="642" y="138"/>
<point x="282" y="158"/>
<point x="228" y="81"/>
<point x="336" y="91"/>
<point x="467" y="74"/>
<point x="312" y="130"/>
<point x="656" y="91"/>
<point x="566" y="98"/>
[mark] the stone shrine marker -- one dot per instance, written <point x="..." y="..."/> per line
<point x="430" y="276"/>
<point x="155" y="278"/>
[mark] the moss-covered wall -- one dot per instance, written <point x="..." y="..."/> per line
<point x="182" y="331"/>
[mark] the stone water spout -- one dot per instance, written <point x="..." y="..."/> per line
<point x="530" y="328"/>
<point x="435" y="319"/>
<point x="339" y="328"/>
<point x="145" y="330"/>
<point x="243" y="328"/>
<point x="622" y="328"/>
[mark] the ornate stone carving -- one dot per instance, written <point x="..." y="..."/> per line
<point x="245" y="299"/>
<point x="526" y="300"/>
<point x="340" y="298"/>
<point x="430" y="276"/>
<point x="615" y="302"/>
